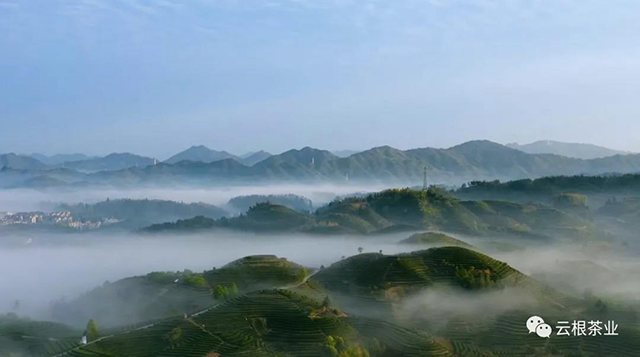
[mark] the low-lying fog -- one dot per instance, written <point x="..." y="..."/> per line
<point x="42" y="271"/>
<point x="34" y="200"/>
<point x="54" y="266"/>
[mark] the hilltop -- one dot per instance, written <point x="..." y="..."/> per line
<point x="160" y="295"/>
<point x="111" y="162"/>
<point x="373" y="273"/>
<point x="201" y="153"/>
<point x="244" y="203"/>
<point x="434" y="239"/>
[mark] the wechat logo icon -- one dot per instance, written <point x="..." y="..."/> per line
<point x="535" y="324"/>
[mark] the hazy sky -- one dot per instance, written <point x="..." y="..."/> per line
<point x="157" y="76"/>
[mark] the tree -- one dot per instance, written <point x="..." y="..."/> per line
<point x="92" y="331"/>
<point x="221" y="292"/>
<point x="174" y="336"/>
<point x="234" y="289"/>
<point x="360" y="249"/>
<point x="303" y="274"/>
<point x="326" y="302"/>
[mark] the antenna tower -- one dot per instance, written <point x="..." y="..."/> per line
<point x="424" y="180"/>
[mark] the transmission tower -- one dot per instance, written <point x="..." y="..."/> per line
<point x="425" y="186"/>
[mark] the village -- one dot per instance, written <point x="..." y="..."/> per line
<point x="61" y="219"/>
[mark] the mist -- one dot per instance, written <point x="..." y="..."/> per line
<point x="42" y="268"/>
<point x="54" y="266"/>
<point x="437" y="306"/>
<point x="34" y="200"/>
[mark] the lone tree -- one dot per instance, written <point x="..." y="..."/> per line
<point x="303" y="274"/>
<point x="326" y="302"/>
<point x="92" y="331"/>
<point x="233" y="291"/>
<point x="221" y="292"/>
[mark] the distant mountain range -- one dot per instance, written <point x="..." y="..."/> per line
<point x="255" y="157"/>
<point x="575" y="150"/>
<point x="202" y="153"/>
<point x="60" y="158"/>
<point x="20" y="162"/>
<point x="474" y="160"/>
<point x="111" y="162"/>
<point x="344" y="153"/>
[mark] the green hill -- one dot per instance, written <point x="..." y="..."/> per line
<point x="374" y="273"/>
<point x="478" y="305"/>
<point x="267" y="217"/>
<point x="434" y="239"/>
<point x="267" y="323"/>
<point x="257" y="272"/>
<point x="447" y="301"/>
<point x="353" y="215"/>
<point x="399" y="210"/>
<point x="546" y="189"/>
<point x="163" y="294"/>
<point x="140" y="213"/>
<point x="242" y="204"/>
<point x="262" y="217"/>
<point x="21" y="337"/>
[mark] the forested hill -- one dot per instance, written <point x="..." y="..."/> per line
<point x="403" y="210"/>
<point x="474" y="160"/>
<point x="548" y="188"/>
<point x="139" y="213"/>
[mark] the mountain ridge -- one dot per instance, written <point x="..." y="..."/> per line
<point x="470" y="161"/>
<point x="574" y="150"/>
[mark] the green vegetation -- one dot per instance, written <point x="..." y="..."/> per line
<point x="434" y="239"/>
<point x="545" y="189"/>
<point x="221" y="292"/>
<point x="91" y="331"/>
<point x="325" y="315"/>
<point x="183" y="225"/>
<point x="164" y="294"/>
<point x="22" y="337"/>
<point x="295" y="202"/>
<point x="266" y="217"/>
<point x="339" y="348"/>
<point x="378" y="274"/>
<point x="472" y="278"/>
<point x="140" y="213"/>
<point x="405" y="209"/>
<point x="570" y="200"/>
<point x="266" y="323"/>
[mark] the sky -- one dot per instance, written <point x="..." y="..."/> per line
<point x="155" y="77"/>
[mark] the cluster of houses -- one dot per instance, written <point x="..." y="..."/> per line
<point x="61" y="218"/>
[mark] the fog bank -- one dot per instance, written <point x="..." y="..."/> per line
<point x="33" y="200"/>
<point x="56" y="266"/>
